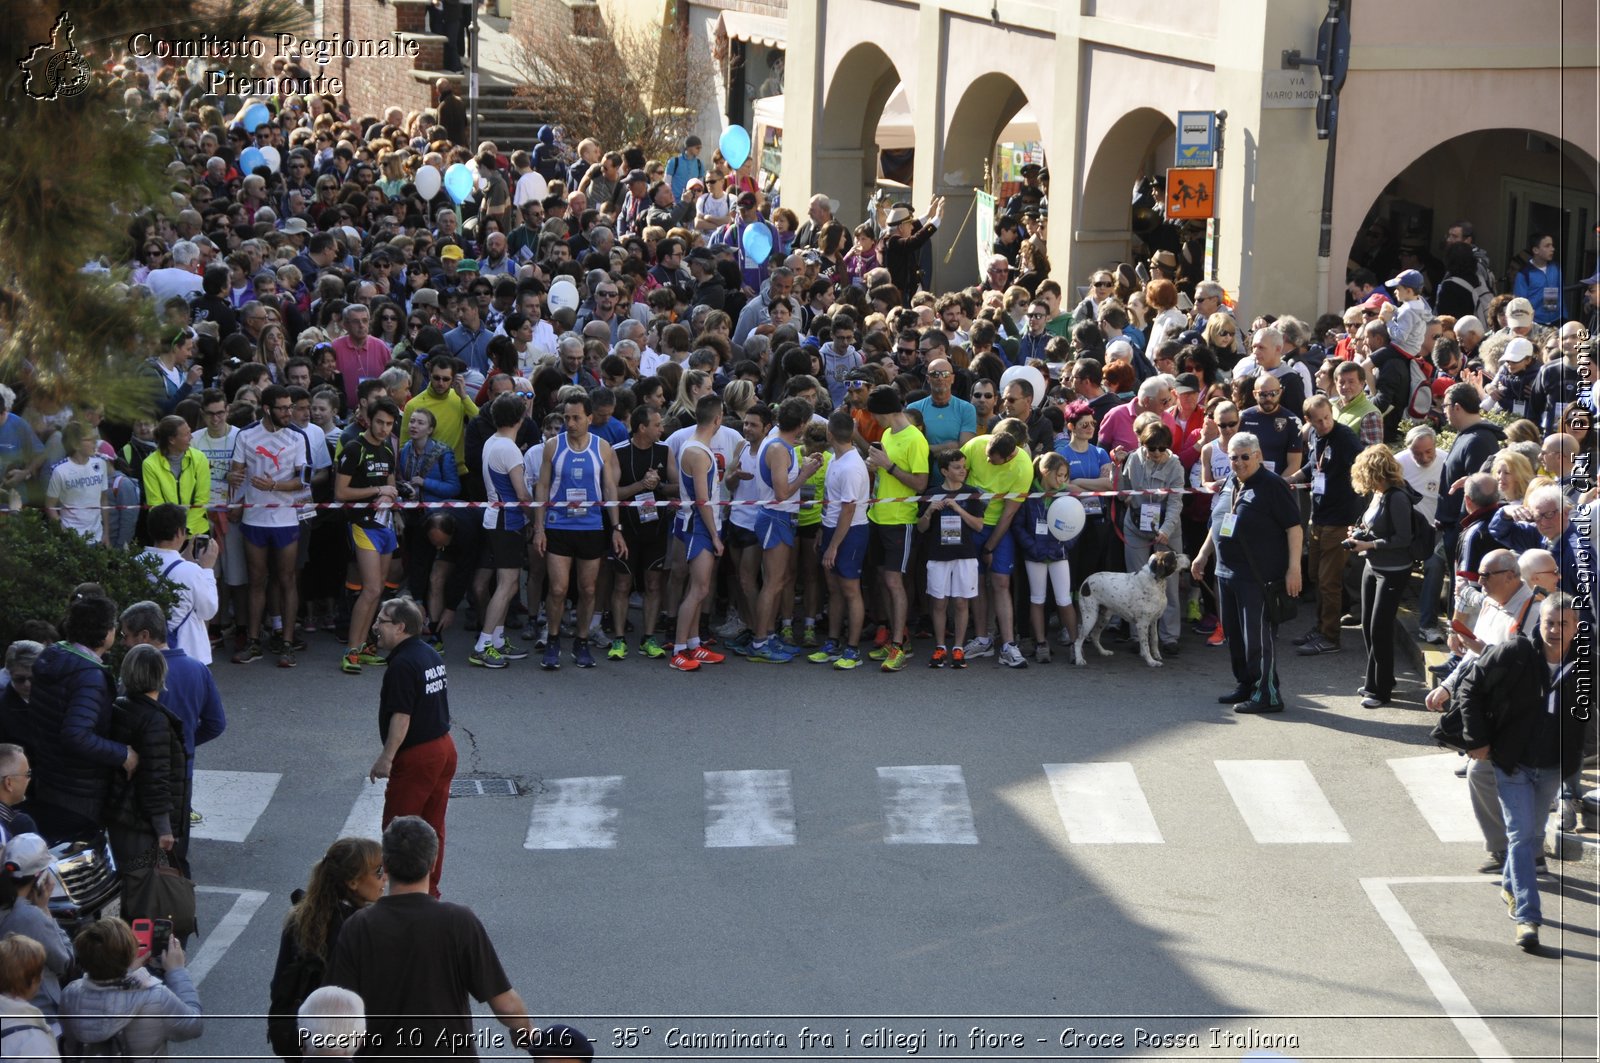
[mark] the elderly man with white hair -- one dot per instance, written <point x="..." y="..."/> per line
<point x="1154" y="396"/>
<point x="181" y="279"/>
<point x="1469" y="333"/>
<point x="333" y="1023"/>
<point x="1547" y="520"/>
<point x="1266" y="358"/>
<point x="819" y="212"/>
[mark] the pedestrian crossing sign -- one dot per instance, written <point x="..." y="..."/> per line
<point x="1191" y="193"/>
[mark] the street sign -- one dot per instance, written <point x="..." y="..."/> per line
<point x="1197" y="139"/>
<point x="1191" y="194"/>
<point x="1282" y="89"/>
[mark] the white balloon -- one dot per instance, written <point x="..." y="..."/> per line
<point x="1066" y="518"/>
<point x="274" y="160"/>
<point x="563" y="296"/>
<point x="428" y="181"/>
<point x="1034" y="378"/>
<point x="530" y="186"/>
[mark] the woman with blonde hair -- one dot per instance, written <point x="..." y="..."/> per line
<point x="739" y="396"/>
<point x="695" y="383"/>
<point x="272" y="351"/>
<point x="1221" y="336"/>
<point x="1512" y="473"/>
<point x="1383" y="538"/>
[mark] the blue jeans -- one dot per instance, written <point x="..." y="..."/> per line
<point x="1438" y="573"/>
<point x="1525" y="796"/>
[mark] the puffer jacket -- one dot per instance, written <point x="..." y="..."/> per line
<point x="156" y="798"/>
<point x="24" y="1034"/>
<point x="31" y="921"/>
<point x="1035" y="545"/>
<point x="70" y="719"/>
<point x="146" y="1011"/>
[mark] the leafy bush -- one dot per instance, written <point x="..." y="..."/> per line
<point x="40" y="564"/>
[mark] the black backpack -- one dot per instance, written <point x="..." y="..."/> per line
<point x="301" y="977"/>
<point x="1423" y="536"/>
<point x="114" y="1047"/>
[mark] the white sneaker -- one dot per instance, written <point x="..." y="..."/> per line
<point x="1431" y="635"/>
<point x="731" y="627"/>
<point x="1569" y="814"/>
<point x="1012" y="657"/>
<point x="979" y="647"/>
<point x="597" y="630"/>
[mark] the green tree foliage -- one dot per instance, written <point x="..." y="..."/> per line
<point x="41" y="564"/>
<point x="76" y="170"/>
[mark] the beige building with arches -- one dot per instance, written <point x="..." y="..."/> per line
<point x="1476" y="109"/>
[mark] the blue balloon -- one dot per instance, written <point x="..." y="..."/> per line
<point x="458" y="182"/>
<point x="735" y="145"/>
<point x="254" y="115"/>
<point x="757" y="243"/>
<point x="249" y="159"/>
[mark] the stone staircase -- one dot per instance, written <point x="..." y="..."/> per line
<point x="503" y="118"/>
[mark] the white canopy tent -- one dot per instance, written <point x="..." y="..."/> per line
<point x="895" y="126"/>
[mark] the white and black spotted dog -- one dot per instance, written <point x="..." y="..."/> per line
<point x="1138" y="597"/>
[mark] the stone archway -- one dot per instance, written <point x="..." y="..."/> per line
<point x="987" y="106"/>
<point x="846" y="151"/>
<point x="1506" y="182"/>
<point x="1136" y="145"/>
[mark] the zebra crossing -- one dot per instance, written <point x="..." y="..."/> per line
<point x="1277" y="802"/>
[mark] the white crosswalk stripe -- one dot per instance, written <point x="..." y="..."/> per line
<point x="1281" y="802"/>
<point x="926" y="804"/>
<point x="366" y="815"/>
<point x="578" y="813"/>
<point x="1439" y="795"/>
<point x="1096" y="803"/>
<point x="1102" y="804"/>
<point x="749" y="808"/>
<point x="231" y="802"/>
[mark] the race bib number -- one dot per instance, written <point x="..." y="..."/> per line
<point x="1041" y="528"/>
<point x="1519" y="408"/>
<point x="574" y="495"/>
<point x="648" y="512"/>
<point x="1229" y="522"/>
<point x="950" y="529"/>
<point x="1552" y="299"/>
<point x="1149" y="516"/>
<point x="1319" y="483"/>
<point x="1091" y="504"/>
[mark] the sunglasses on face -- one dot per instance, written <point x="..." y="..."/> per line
<point x="1104" y="284"/>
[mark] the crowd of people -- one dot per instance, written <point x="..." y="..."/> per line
<point x="601" y="419"/>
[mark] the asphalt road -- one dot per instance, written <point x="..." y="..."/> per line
<point x="984" y="855"/>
